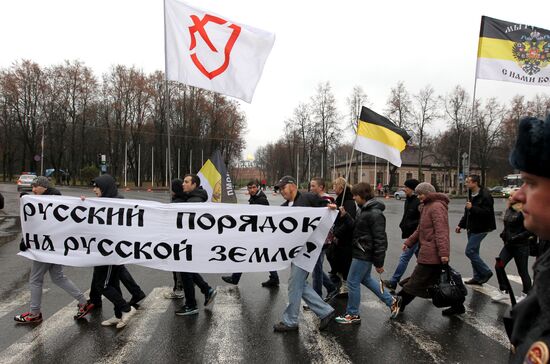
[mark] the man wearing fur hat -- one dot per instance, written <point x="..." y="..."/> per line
<point x="531" y="155"/>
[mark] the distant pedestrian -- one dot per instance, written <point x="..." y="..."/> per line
<point x="41" y="187"/>
<point x="369" y="249"/>
<point x="433" y="238"/>
<point x="408" y="225"/>
<point x="298" y="288"/>
<point x="516" y="246"/>
<point x="257" y="197"/>
<point x="478" y="220"/>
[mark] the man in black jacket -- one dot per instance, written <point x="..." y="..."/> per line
<point x="298" y="288"/>
<point x="257" y="197"/>
<point x="478" y="220"/>
<point x="193" y="192"/>
<point x="531" y="317"/>
<point x="408" y="225"/>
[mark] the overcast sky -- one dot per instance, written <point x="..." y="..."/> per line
<point x="373" y="44"/>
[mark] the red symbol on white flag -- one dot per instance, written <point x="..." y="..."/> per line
<point x="198" y="27"/>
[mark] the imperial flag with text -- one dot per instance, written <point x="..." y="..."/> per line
<point x="378" y="136"/>
<point x="513" y="52"/>
<point x="216" y="180"/>
<point x="209" y="51"/>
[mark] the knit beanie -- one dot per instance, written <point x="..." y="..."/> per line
<point x="424" y="188"/>
<point x="412" y="183"/>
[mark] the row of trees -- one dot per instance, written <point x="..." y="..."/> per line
<point x="314" y="132"/>
<point x="79" y="116"/>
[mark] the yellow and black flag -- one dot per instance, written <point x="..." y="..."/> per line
<point x="216" y="180"/>
<point x="513" y="52"/>
<point x="378" y="136"/>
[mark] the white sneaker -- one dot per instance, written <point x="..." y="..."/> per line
<point x="520" y="297"/>
<point x="502" y="296"/>
<point x="344" y="288"/>
<point x="126" y="316"/>
<point x="110" y="322"/>
<point x="172" y="295"/>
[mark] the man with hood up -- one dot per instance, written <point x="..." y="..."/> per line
<point x="106" y="278"/>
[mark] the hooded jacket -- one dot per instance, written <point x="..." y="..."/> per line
<point x="369" y="238"/>
<point x="433" y="230"/>
<point x="258" y="199"/>
<point x="197" y="195"/>
<point x="107" y="185"/>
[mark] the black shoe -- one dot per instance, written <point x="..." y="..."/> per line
<point x="453" y="311"/>
<point x="486" y="278"/>
<point x="331" y="295"/>
<point x="271" y="283"/>
<point x="389" y="284"/>
<point x="473" y="282"/>
<point x="281" y="327"/>
<point x="187" y="311"/>
<point x="209" y="297"/>
<point x="134" y="301"/>
<point x="326" y="321"/>
<point x="228" y="279"/>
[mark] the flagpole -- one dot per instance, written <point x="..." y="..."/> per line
<point x="166" y="106"/>
<point x="471" y="128"/>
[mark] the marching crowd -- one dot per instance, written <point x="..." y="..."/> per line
<point x="357" y="244"/>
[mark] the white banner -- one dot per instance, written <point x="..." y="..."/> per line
<point x="208" y="51"/>
<point x="185" y="237"/>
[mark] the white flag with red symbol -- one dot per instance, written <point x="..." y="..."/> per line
<point x="208" y="51"/>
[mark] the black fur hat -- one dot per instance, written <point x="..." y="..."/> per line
<point x="531" y="153"/>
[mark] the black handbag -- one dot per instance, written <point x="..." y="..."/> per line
<point x="450" y="290"/>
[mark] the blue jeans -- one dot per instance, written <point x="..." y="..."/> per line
<point x="403" y="263"/>
<point x="359" y="272"/>
<point x="236" y="277"/>
<point x="299" y="289"/>
<point x="320" y="278"/>
<point x="481" y="270"/>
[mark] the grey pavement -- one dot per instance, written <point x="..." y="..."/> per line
<point x="238" y="328"/>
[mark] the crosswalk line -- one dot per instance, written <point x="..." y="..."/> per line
<point x="515" y="278"/>
<point x="429" y="346"/>
<point x="322" y="348"/>
<point x="141" y="328"/>
<point x="224" y="342"/>
<point x="16" y="300"/>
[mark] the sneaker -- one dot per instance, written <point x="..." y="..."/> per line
<point x="326" y="321"/>
<point x="228" y="279"/>
<point x="271" y="283"/>
<point x="135" y="300"/>
<point x="83" y="310"/>
<point x="343" y="289"/>
<point x="331" y="295"/>
<point x="454" y="311"/>
<point x="111" y="322"/>
<point x="209" y="297"/>
<point x="521" y="297"/>
<point x="502" y="296"/>
<point x="348" y="319"/>
<point x="28" y="318"/>
<point x="126" y="316"/>
<point x="173" y="295"/>
<point x="306" y="308"/>
<point x="389" y="284"/>
<point x="187" y="311"/>
<point x="486" y="278"/>
<point x="395" y="306"/>
<point x="281" y="327"/>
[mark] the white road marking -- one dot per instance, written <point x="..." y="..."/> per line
<point x="19" y="299"/>
<point x="224" y="343"/>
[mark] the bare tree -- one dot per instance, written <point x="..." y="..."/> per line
<point x="425" y="111"/>
<point x="355" y="101"/>
<point x="399" y="106"/>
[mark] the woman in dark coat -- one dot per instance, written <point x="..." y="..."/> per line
<point x="432" y="235"/>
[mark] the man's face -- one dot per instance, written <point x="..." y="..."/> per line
<point x="38" y="190"/>
<point x="315" y="188"/>
<point x="287" y="191"/>
<point x="535" y="196"/>
<point x="408" y="191"/>
<point x="188" y="185"/>
<point x="97" y="191"/>
<point x="252" y="190"/>
<point x="359" y="200"/>
<point x="470" y="184"/>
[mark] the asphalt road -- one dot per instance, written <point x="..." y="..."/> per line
<point x="239" y="327"/>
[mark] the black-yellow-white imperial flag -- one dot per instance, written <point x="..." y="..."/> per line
<point x="513" y="52"/>
<point x="378" y="136"/>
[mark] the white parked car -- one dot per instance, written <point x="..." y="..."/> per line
<point x="24" y="181"/>
<point x="398" y="195"/>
